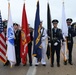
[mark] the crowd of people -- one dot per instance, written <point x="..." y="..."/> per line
<point x="56" y="43"/>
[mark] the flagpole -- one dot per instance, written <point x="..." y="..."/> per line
<point x="50" y="30"/>
<point x="65" y="41"/>
<point x="37" y="0"/>
<point x="24" y="1"/>
<point x="66" y="46"/>
<point x="8" y="7"/>
<point x="48" y="1"/>
<point x="8" y="20"/>
<point x="63" y="2"/>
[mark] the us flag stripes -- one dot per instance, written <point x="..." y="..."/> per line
<point x="2" y="42"/>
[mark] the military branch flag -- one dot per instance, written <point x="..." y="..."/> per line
<point x="10" y="39"/>
<point x="65" y="34"/>
<point x="64" y="24"/>
<point x="25" y="36"/>
<point x="49" y="31"/>
<point x="37" y="50"/>
<point x="2" y="42"/>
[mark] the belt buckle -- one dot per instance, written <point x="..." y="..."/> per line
<point x="69" y="41"/>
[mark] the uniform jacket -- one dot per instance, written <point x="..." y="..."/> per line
<point x="57" y="36"/>
<point x="17" y="38"/>
<point x="44" y="34"/>
<point x="71" y="34"/>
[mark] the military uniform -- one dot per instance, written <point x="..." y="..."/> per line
<point x="56" y="44"/>
<point x="17" y="46"/>
<point x="71" y="34"/>
<point x="30" y="48"/>
<point x="43" y="44"/>
<point x="43" y="40"/>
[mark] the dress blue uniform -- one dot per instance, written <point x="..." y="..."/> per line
<point x="30" y="48"/>
<point x="56" y="43"/>
<point x="17" y="45"/>
<point x="71" y="34"/>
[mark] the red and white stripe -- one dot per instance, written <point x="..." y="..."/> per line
<point x="3" y="47"/>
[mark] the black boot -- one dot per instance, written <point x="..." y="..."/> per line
<point x="30" y="64"/>
<point x="70" y="63"/>
<point x="58" y="65"/>
<point x="7" y="63"/>
<point x="65" y="62"/>
<point x="52" y="65"/>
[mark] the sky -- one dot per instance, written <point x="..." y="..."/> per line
<point x="55" y="8"/>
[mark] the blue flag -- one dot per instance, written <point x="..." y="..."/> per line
<point x="37" y="52"/>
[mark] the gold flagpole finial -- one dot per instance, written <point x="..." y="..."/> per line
<point x="48" y="1"/>
<point x="37" y="0"/>
<point x="8" y="7"/>
<point x="63" y="1"/>
<point x="24" y="1"/>
<point x="8" y="0"/>
<point x="8" y="3"/>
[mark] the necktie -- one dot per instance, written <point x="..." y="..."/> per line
<point x="55" y="30"/>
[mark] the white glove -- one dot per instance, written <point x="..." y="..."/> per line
<point x="43" y="40"/>
<point x="55" y="44"/>
<point x="49" y="44"/>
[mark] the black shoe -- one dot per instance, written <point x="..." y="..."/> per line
<point x="44" y="64"/>
<point x="58" y="65"/>
<point x="65" y="62"/>
<point x="36" y="65"/>
<point x="52" y="65"/>
<point x="24" y="64"/>
<point x="6" y="64"/>
<point x="30" y="64"/>
<point x="17" y="64"/>
<point x="70" y="63"/>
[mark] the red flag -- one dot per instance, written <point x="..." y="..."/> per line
<point x="25" y="36"/>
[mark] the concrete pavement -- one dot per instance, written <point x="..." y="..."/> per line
<point x="41" y="70"/>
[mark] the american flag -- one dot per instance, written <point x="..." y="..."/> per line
<point x="2" y="42"/>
